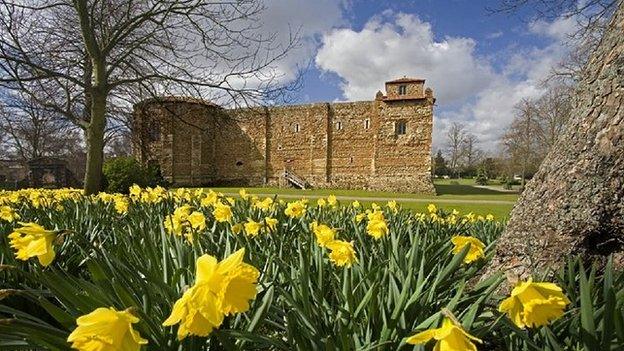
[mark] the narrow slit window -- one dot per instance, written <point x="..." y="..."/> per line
<point x="366" y="123"/>
<point x="296" y="128"/>
<point x="402" y="89"/>
<point x="400" y="128"/>
<point x="338" y="125"/>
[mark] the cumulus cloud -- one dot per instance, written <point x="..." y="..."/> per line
<point x="468" y="87"/>
<point x="399" y="44"/>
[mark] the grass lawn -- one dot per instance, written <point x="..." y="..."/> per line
<point x="462" y="195"/>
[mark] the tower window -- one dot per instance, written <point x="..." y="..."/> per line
<point x="367" y="123"/>
<point x="402" y="89"/>
<point x="400" y="127"/>
<point x="296" y="128"/>
<point x="338" y="125"/>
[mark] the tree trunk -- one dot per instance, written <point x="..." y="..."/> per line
<point x="575" y="202"/>
<point x="95" y="144"/>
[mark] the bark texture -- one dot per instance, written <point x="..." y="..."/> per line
<point x="575" y="202"/>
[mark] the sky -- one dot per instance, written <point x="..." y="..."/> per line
<point x="478" y="64"/>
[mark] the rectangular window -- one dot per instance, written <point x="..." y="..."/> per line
<point x="366" y="123"/>
<point x="400" y="127"/>
<point x="402" y="89"/>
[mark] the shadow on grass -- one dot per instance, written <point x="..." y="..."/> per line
<point x="455" y="189"/>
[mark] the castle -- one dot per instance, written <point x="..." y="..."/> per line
<point x="383" y="144"/>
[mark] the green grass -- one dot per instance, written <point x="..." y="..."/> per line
<point x="465" y="197"/>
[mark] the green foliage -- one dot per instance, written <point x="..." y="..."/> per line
<point x="482" y="178"/>
<point x="398" y="287"/>
<point x="121" y="172"/>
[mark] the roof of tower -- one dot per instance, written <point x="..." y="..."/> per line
<point x="406" y="80"/>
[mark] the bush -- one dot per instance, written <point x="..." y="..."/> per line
<point x="121" y="172"/>
<point x="482" y="178"/>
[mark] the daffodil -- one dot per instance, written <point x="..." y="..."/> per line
<point x="237" y="228"/>
<point x="342" y="253"/>
<point x="210" y="199"/>
<point x="271" y="223"/>
<point x="106" y="329"/>
<point x="222" y="212"/>
<point x="321" y="202"/>
<point x="135" y="192"/>
<point x="8" y="214"/>
<point x="221" y="288"/>
<point x="33" y="240"/>
<point x="332" y="201"/>
<point x="252" y="228"/>
<point x="243" y="194"/>
<point x="393" y="206"/>
<point x="475" y="251"/>
<point x="534" y="304"/>
<point x="121" y="204"/>
<point x="432" y="208"/>
<point x="359" y="217"/>
<point x="264" y="204"/>
<point x="295" y="209"/>
<point x="355" y="204"/>
<point x="324" y="234"/>
<point x="449" y="337"/>
<point x="197" y="220"/>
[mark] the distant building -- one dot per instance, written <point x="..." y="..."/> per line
<point x="47" y="172"/>
<point x="382" y="144"/>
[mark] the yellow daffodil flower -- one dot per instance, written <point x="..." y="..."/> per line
<point x="8" y="214"/>
<point x="252" y="228"/>
<point x="295" y="209"/>
<point x="449" y="337"/>
<point x="342" y="253"/>
<point x="534" y="304"/>
<point x="324" y="234"/>
<point x="271" y="223"/>
<point x="32" y="240"/>
<point x="222" y="288"/>
<point x="222" y="212"/>
<point x="106" y="329"/>
<point x="476" y="247"/>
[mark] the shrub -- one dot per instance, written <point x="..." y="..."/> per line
<point x="482" y="178"/>
<point x="121" y="172"/>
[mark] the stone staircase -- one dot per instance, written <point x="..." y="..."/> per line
<point x="295" y="180"/>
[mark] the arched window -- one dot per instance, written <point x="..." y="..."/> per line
<point x="296" y="128"/>
<point x="400" y="127"/>
<point x="338" y="125"/>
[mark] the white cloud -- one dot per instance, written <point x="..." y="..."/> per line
<point x="393" y="45"/>
<point x="468" y="87"/>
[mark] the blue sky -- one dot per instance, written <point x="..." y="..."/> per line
<point x="479" y="64"/>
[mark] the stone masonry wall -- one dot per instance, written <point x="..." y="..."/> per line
<point x="342" y="145"/>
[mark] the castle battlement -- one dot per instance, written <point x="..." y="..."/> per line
<point x="381" y="144"/>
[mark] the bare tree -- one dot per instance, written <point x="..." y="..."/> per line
<point x="591" y="16"/>
<point x="535" y="128"/>
<point x="78" y="57"/>
<point x="552" y="111"/>
<point x="471" y="153"/>
<point x="454" y="146"/>
<point x="30" y="130"/>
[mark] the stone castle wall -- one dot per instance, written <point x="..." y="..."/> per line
<point x="342" y="145"/>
